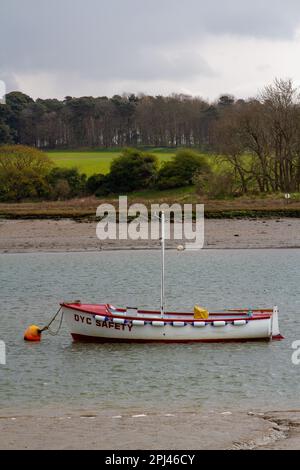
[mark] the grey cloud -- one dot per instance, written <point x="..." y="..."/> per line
<point x="149" y="63"/>
<point x="129" y="39"/>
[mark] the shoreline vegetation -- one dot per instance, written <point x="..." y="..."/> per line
<point x="85" y="208"/>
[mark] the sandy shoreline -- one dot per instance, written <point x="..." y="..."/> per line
<point x="208" y="429"/>
<point x="21" y="236"/>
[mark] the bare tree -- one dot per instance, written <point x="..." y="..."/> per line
<point x="281" y="106"/>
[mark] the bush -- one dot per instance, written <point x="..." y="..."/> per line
<point x="94" y="183"/>
<point x="131" y="171"/>
<point x="215" y="185"/>
<point x="23" y="173"/>
<point x="61" y="190"/>
<point x="180" y="171"/>
<point x="98" y="185"/>
<point x="66" y="183"/>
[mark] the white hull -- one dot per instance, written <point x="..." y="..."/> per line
<point x="86" y="326"/>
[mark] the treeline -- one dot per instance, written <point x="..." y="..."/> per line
<point x="257" y="140"/>
<point x="130" y="121"/>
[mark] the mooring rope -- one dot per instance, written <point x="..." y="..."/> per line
<point x="47" y="328"/>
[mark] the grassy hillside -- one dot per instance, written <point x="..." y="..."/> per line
<point x="90" y="162"/>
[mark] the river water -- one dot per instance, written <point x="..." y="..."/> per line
<point x="59" y="373"/>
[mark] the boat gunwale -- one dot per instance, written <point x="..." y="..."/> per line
<point x="111" y="316"/>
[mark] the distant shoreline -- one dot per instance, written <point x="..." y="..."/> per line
<point x="66" y="235"/>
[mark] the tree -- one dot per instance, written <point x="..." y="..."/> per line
<point x="99" y="185"/>
<point x="282" y="112"/>
<point x="95" y="182"/>
<point x="225" y="101"/>
<point x="181" y="169"/>
<point x="5" y="131"/>
<point x="80" y="116"/>
<point x="5" y="136"/>
<point x="124" y="108"/>
<point x="23" y="172"/>
<point x="61" y="190"/>
<point x="260" y="139"/>
<point x="215" y="185"/>
<point x="229" y="145"/>
<point x="16" y="102"/>
<point x="66" y="182"/>
<point x="131" y="171"/>
<point x="257" y="143"/>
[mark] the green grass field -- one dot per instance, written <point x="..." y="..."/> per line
<point x="91" y="162"/>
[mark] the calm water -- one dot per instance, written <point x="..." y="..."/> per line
<point x="59" y="372"/>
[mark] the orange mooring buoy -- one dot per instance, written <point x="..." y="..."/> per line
<point x="33" y="333"/>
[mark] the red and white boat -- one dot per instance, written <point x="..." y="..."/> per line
<point x="104" y="322"/>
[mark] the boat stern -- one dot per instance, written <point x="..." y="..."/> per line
<point x="275" y="332"/>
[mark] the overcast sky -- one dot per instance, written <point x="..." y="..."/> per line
<point x="54" y="48"/>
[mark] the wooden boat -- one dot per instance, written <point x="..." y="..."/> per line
<point x="104" y="322"/>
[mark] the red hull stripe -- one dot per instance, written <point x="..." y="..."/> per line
<point x="96" y="339"/>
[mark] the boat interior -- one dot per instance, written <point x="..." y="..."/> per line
<point x="140" y="313"/>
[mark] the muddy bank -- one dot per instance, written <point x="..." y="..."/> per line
<point x="145" y="430"/>
<point x="17" y="236"/>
